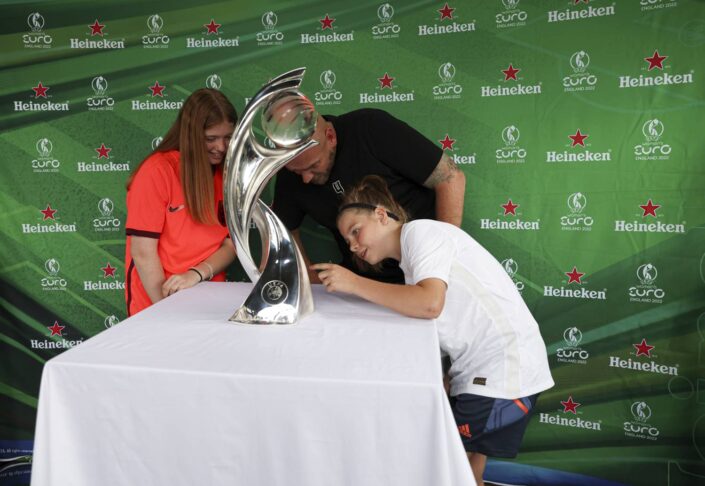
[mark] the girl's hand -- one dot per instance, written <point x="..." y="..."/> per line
<point x="180" y="281"/>
<point x="336" y="278"/>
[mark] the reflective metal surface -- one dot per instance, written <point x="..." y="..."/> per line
<point x="282" y="291"/>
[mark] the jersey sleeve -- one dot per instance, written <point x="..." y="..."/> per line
<point x="285" y="204"/>
<point x="401" y="147"/>
<point x="428" y="251"/>
<point x="147" y="201"/>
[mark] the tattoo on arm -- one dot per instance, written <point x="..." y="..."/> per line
<point x="444" y="171"/>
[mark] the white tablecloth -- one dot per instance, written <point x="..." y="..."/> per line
<point x="177" y="395"/>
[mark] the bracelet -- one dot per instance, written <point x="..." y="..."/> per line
<point x="200" y="275"/>
<point x="209" y="268"/>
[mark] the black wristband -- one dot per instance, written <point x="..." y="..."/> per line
<point x="200" y="275"/>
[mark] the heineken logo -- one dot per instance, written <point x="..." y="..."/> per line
<point x="510" y="219"/>
<point x="446" y="23"/>
<point x="646" y="224"/>
<point x="639" y="363"/>
<point x="211" y="38"/>
<point x="574" y="288"/>
<point x="567" y="416"/>
<point x="656" y="74"/>
<point x="96" y="29"/>
<point x="587" y="12"/>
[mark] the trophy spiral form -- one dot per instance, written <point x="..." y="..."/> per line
<point x="282" y="291"/>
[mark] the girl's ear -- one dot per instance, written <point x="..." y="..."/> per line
<point x="381" y="215"/>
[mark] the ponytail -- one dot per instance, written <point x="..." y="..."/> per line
<point x="372" y="192"/>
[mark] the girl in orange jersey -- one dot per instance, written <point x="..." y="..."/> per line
<point x="176" y="233"/>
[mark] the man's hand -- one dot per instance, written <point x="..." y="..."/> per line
<point x="336" y="278"/>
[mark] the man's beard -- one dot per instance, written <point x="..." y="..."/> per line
<point x="320" y="179"/>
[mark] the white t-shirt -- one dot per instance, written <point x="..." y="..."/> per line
<point x="493" y="341"/>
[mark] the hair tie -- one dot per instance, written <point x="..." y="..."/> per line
<point x="366" y="206"/>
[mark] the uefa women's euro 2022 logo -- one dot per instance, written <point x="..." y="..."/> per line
<point x="275" y="292"/>
<point x="36" y="38"/>
<point x="270" y="36"/>
<point x="155" y="38"/>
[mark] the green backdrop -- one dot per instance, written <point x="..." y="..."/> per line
<point x="577" y="123"/>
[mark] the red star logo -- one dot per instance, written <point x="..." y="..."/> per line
<point x="56" y="329"/>
<point x="157" y="89"/>
<point x="510" y="208"/>
<point x="578" y="138"/>
<point x="327" y="23"/>
<point x="575" y="2"/>
<point x="649" y="209"/>
<point x="570" y="406"/>
<point x="108" y="270"/>
<point x="40" y="91"/>
<point x="643" y="349"/>
<point x="655" y="61"/>
<point x="510" y="73"/>
<point x="574" y="276"/>
<point x="385" y="81"/>
<point x="48" y="212"/>
<point x="97" y="28"/>
<point x="103" y="151"/>
<point x="212" y="27"/>
<point x="447" y="143"/>
<point x="446" y="12"/>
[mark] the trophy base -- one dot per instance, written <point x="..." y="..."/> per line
<point x="280" y="314"/>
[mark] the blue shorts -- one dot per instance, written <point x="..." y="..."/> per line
<point x="492" y="426"/>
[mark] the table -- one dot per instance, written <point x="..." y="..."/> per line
<point x="177" y="395"/>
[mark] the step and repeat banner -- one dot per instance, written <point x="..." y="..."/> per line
<point x="578" y="125"/>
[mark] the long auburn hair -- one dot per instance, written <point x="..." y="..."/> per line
<point x="205" y="108"/>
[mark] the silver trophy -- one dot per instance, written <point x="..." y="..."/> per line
<point x="282" y="291"/>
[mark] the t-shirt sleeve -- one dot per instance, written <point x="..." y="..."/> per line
<point x="402" y="147"/>
<point x="285" y="204"/>
<point x="429" y="253"/>
<point x="147" y="200"/>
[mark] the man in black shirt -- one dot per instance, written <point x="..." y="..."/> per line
<point x="424" y="180"/>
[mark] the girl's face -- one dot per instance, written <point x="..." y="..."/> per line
<point x="366" y="233"/>
<point x="217" y="141"/>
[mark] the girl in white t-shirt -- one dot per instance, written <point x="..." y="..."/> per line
<point x="498" y="358"/>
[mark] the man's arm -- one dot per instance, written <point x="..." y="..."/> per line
<point x="312" y="274"/>
<point x="448" y="181"/>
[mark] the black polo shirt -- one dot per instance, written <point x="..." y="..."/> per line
<point x="369" y="141"/>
